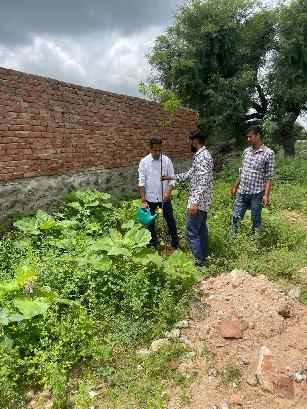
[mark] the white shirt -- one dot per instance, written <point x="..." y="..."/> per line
<point x="150" y="174"/>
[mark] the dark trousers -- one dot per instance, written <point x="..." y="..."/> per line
<point x="197" y="235"/>
<point x="168" y="215"/>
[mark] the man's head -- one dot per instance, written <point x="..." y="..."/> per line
<point x="254" y="135"/>
<point x="198" y="139"/>
<point x="155" y="148"/>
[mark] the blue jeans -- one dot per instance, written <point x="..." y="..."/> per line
<point x="197" y="235"/>
<point x="170" y="220"/>
<point x="242" y="203"/>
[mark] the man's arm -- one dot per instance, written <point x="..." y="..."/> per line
<point x="171" y="185"/>
<point x="235" y="187"/>
<point x="266" y="197"/>
<point x="269" y="171"/>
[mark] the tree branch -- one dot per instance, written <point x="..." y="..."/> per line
<point x="254" y="115"/>
<point x="262" y="97"/>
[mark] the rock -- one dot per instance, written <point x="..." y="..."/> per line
<point x="234" y="282"/>
<point x="300" y="377"/>
<point x="158" y="344"/>
<point x="264" y="369"/>
<point x="173" y="334"/>
<point x="219" y="345"/>
<point x="252" y="380"/>
<point x="164" y="394"/>
<point x="140" y="368"/>
<point x="286" y="311"/>
<point x="224" y="406"/>
<point x="190" y="355"/>
<point x="174" y="364"/>
<point x="199" y="310"/>
<point x="203" y="333"/>
<point x="285" y="387"/>
<point x="185" y="367"/>
<point x="185" y="341"/>
<point x="182" y="324"/>
<point x="92" y="394"/>
<point x="230" y="330"/>
<point x="143" y="352"/>
<point x="303" y="386"/>
<point x="244" y="359"/>
<point x="295" y="292"/>
<point x="212" y="373"/>
<point x="30" y="395"/>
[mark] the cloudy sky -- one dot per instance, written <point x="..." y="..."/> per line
<point x="98" y="43"/>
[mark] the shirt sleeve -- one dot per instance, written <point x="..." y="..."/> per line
<point x="269" y="166"/>
<point x="183" y="176"/>
<point x="142" y="175"/>
<point x="203" y="170"/>
<point x="243" y="158"/>
<point x="170" y="172"/>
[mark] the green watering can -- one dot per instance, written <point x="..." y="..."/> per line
<point x="145" y="217"/>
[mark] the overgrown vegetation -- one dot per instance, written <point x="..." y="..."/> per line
<point x="80" y="291"/>
<point x="74" y="285"/>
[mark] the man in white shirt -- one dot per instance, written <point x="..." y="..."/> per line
<point x="151" y="189"/>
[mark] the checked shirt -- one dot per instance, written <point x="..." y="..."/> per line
<point x="256" y="169"/>
<point x="200" y="175"/>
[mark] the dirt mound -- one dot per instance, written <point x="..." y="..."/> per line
<point x="250" y="340"/>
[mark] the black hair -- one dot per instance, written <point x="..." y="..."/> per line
<point x="200" y="135"/>
<point x="155" y="141"/>
<point x="254" y="129"/>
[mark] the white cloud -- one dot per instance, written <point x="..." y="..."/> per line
<point x="108" y="61"/>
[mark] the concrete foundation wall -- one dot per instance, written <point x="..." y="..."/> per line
<point x="46" y="192"/>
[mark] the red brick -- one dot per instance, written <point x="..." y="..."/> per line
<point x="52" y="127"/>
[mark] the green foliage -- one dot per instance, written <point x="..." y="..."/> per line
<point x="168" y="99"/>
<point x="236" y="61"/>
<point x="67" y="277"/>
<point x="138" y="382"/>
<point x="278" y="249"/>
<point x="211" y="56"/>
<point x="231" y="374"/>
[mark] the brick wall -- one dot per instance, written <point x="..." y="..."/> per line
<point x="48" y="127"/>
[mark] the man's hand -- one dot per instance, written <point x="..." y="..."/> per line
<point x="233" y="191"/>
<point x="192" y="209"/>
<point x="265" y="200"/>
<point x="144" y="204"/>
<point x="166" y="197"/>
<point x="166" y="177"/>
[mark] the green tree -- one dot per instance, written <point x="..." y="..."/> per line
<point x="211" y="57"/>
<point x="288" y="77"/>
<point x="220" y="57"/>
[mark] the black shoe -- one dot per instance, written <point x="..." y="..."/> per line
<point x="176" y="246"/>
<point x="203" y="263"/>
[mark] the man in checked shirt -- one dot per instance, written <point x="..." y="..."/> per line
<point x="200" y="193"/>
<point x="253" y="186"/>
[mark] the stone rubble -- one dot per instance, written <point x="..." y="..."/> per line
<point x="251" y="322"/>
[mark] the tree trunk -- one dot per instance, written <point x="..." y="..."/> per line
<point x="288" y="139"/>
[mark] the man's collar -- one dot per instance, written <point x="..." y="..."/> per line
<point x="262" y="147"/>
<point x="152" y="158"/>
